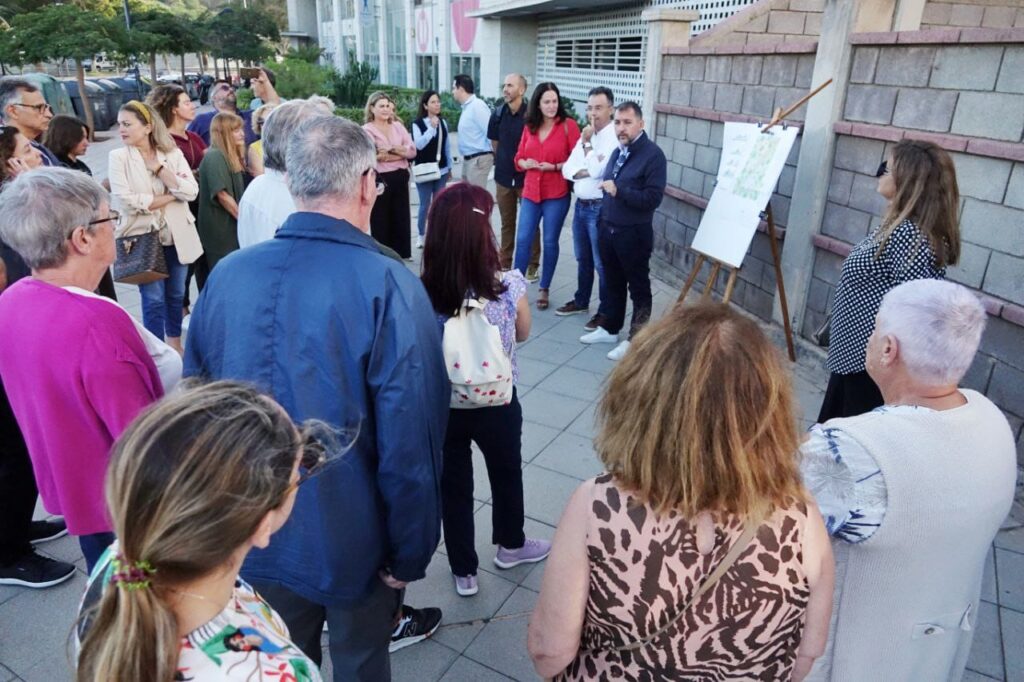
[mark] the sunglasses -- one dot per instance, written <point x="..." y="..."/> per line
<point x="883" y="169"/>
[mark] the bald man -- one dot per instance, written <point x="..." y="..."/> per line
<point x="504" y="131"/>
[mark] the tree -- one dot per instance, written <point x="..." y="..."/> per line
<point x="157" y="31"/>
<point x="242" y="33"/>
<point x="58" y="32"/>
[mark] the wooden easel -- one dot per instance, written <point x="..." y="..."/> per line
<point x="717" y="265"/>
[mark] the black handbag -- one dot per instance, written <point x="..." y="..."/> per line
<point x="140" y="259"/>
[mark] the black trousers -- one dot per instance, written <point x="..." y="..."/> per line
<point x="498" y="431"/>
<point x="626" y="256"/>
<point x="848" y="395"/>
<point x="390" y="221"/>
<point x="17" y="487"/>
<point x="359" y="636"/>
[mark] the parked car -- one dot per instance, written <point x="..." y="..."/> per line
<point x="53" y="92"/>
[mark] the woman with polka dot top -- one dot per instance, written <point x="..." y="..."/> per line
<point x="918" y="237"/>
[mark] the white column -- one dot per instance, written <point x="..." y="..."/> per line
<point x="410" y="42"/>
<point x="358" y="21"/>
<point x="443" y="24"/>
<point x="340" y="58"/>
<point x="382" y="41"/>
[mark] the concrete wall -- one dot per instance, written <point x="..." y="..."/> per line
<point x="769" y="22"/>
<point x="972" y="14"/>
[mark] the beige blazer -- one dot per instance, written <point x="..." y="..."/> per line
<point x="133" y="188"/>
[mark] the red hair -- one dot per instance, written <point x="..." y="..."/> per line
<point x="460" y="256"/>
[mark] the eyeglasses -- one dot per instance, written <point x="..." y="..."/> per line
<point x="380" y="185"/>
<point x="883" y="169"/>
<point x="40" y="108"/>
<point x="114" y="217"/>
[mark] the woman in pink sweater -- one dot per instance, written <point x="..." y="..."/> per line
<point x="75" y="367"/>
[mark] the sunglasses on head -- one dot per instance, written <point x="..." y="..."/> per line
<point x="883" y="169"/>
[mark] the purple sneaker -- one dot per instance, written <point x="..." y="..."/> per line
<point x="531" y="552"/>
<point x="466" y="585"/>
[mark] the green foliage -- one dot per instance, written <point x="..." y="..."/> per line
<point x="300" y="78"/>
<point x="350" y="88"/>
<point x="243" y="98"/>
<point x="242" y="33"/>
<point x="570" y="109"/>
<point x="353" y="114"/>
<point x="306" y="53"/>
<point x="156" y="31"/>
<point x="58" y="32"/>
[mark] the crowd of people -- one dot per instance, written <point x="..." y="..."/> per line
<point x="288" y="465"/>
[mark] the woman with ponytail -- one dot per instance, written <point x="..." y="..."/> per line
<point x="194" y="483"/>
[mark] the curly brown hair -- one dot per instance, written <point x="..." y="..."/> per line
<point x="164" y="99"/>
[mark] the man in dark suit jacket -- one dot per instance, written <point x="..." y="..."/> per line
<point x="634" y="184"/>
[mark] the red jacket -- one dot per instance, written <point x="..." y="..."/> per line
<point x="540" y="185"/>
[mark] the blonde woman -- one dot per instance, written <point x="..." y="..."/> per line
<point x="255" y="152"/>
<point x="918" y="237"/>
<point x="390" y="222"/>
<point x="150" y="186"/>
<point x="194" y="483"/>
<point x="699" y="436"/>
<point x="220" y="187"/>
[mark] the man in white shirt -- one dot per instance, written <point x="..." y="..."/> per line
<point x="586" y="167"/>
<point x="475" y="148"/>
<point x="266" y="203"/>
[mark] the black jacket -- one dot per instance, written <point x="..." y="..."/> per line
<point x="640" y="184"/>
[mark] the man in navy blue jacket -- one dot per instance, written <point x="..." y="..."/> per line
<point x="336" y="331"/>
<point x="633" y="187"/>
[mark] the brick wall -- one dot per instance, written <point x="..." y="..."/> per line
<point x="972" y="14"/>
<point x="769" y="22"/>
<point x="970" y="100"/>
<point x="698" y="93"/>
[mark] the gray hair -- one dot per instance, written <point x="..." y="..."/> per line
<point x="282" y="122"/>
<point x="42" y="208"/>
<point x="11" y="91"/>
<point x="327" y="157"/>
<point x="938" y="325"/>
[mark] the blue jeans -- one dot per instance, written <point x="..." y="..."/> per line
<point x="93" y="547"/>
<point x="530" y="213"/>
<point x="584" y="244"/>
<point x="162" y="300"/>
<point x="427" y="192"/>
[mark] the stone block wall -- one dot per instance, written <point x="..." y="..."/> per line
<point x="701" y="89"/>
<point x="769" y="22"/>
<point x="972" y="14"/>
<point x="968" y="98"/>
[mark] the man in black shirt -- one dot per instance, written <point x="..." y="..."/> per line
<point x="504" y="132"/>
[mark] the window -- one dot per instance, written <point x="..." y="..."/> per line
<point x="467" y="64"/>
<point x="426" y="72"/>
<point x="563" y="54"/>
<point x="584" y="55"/>
<point x="630" y="53"/>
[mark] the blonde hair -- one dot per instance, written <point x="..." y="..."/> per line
<point x="259" y="117"/>
<point x="371" y="101"/>
<point x="221" y="127"/>
<point x="699" y="416"/>
<point x="927" y="194"/>
<point x="159" y="137"/>
<point x="189" y="483"/>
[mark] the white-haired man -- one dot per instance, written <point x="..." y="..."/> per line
<point x="928" y="478"/>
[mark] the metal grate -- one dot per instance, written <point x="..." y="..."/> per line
<point x="581" y="51"/>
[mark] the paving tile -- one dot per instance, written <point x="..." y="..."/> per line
<point x="987" y="648"/>
<point x="427" y="660"/>
<point x="466" y="670"/>
<point x="1011" y="539"/>
<point x="988" y="580"/>
<point x="972" y="676"/>
<point x="535" y="438"/>
<point x="594" y="359"/>
<point x="532" y="371"/>
<point x="575" y="383"/>
<point x="572" y="455"/>
<point x="1013" y="643"/>
<point x="6" y="675"/>
<point x="536" y="577"/>
<point x="502" y="644"/>
<point x="550" y="351"/>
<point x="568" y="329"/>
<point x="584" y="424"/>
<point x="1010" y="579"/>
<point x="482" y="525"/>
<point x="551" y="409"/>
<point x="437" y="589"/>
<point x="34" y="629"/>
<point x="546" y="493"/>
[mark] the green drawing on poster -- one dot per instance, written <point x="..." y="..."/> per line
<point x="750" y="180"/>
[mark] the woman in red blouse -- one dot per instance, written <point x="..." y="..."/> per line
<point x="547" y="141"/>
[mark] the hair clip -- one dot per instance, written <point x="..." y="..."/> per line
<point x="477" y="210"/>
<point x="131" y="576"/>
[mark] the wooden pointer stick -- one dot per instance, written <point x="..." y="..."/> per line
<point x="779" y="116"/>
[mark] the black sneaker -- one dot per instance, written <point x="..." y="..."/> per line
<point x="36" y="571"/>
<point x="414" y="626"/>
<point x="570" y="308"/>
<point x="594" y="323"/>
<point x="44" y="531"/>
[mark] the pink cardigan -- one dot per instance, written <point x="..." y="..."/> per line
<point x="77" y="373"/>
<point x="398" y="135"/>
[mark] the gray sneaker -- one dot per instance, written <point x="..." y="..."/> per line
<point x="531" y="552"/>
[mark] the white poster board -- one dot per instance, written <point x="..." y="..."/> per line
<point x="750" y="167"/>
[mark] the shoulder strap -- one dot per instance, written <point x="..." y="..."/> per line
<point x="749" y="530"/>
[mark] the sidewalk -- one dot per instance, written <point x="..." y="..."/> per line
<point x="484" y="637"/>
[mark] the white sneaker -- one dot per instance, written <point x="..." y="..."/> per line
<point x="419" y="242"/>
<point x="619" y="351"/>
<point x="599" y="335"/>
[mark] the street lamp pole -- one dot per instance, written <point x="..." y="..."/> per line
<point x="135" y="58"/>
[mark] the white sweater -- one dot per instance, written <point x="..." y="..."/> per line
<point x="907" y="598"/>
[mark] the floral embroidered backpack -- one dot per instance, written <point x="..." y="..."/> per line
<point x="478" y="367"/>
